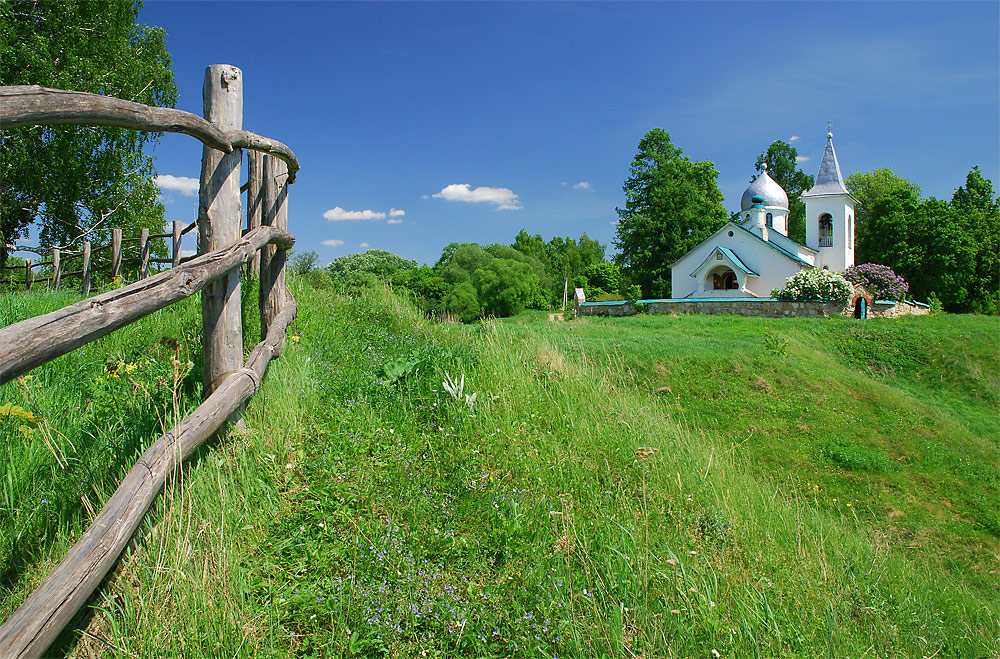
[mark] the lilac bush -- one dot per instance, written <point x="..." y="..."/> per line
<point x="883" y="283"/>
<point x="815" y="284"/>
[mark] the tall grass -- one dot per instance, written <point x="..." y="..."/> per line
<point x="603" y="495"/>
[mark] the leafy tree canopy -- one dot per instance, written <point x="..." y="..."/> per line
<point x="375" y="261"/>
<point x="78" y="180"/>
<point x="671" y="204"/>
<point x="782" y="165"/>
<point x="867" y="188"/>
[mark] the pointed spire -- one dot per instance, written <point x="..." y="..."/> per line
<point x="829" y="180"/>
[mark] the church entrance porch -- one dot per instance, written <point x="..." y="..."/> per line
<point x="722" y="279"/>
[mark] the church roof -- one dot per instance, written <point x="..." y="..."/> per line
<point x="767" y="189"/>
<point x="770" y="243"/>
<point x="829" y="180"/>
<point x="731" y="255"/>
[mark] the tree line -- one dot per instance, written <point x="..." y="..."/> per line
<point x="470" y="280"/>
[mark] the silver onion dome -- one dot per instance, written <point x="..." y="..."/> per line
<point x="767" y="189"/>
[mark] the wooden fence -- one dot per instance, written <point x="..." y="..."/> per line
<point x="24" y="274"/>
<point x="216" y="272"/>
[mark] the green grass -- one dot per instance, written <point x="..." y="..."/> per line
<point x="648" y="486"/>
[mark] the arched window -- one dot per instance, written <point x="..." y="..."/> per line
<point x="826" y="230"/>
<point x="769" y="220"/>
<point x="748" y="216"/>
<point x="850" y="232"/>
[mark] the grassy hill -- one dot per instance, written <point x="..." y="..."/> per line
<point x="645" y="486"/>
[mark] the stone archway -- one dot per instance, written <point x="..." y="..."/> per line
<point x="722" y="279"/>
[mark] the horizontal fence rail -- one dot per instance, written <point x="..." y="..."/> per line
<point x="224" y="248"/>
<point x="86" y="253"/>
<point x="35" y="341"/>
<point x="31" y="105"/>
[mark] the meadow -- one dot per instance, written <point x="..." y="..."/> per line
<point x="650" y="486"/>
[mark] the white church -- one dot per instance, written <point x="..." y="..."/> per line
<point x="754" y="256"/>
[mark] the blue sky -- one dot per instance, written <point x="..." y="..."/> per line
<point x="479" y="119"/>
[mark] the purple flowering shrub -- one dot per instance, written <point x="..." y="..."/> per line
<point x="879" y="279"/>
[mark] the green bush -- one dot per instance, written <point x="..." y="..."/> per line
<point x="815" y="284"/>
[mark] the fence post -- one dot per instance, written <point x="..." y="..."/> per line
<point x="116" y="253"/>
<point x="219" y="225"/>
<point x="255" y="164"/>
<point x="175" y="255"/>
<point x="143" y="253"/>
<point x="272" y="259"/>
<point x="27" y="274"/>
<point x="86" y="268"/>
<point x="56" y="269"/>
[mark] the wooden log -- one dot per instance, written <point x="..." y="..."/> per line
<point x="144" y="253"/>
<point x="175" y="254"/>
<point x="86" y="268"/>
<point x="37" y="340"/>
<point x="56" y="268"/>
<point x="272" y="260"/>
<point x="255" y="164"/>
<point x="219" y="224"/>
<point x="31" y="105"/>
<point x="27" y="274"/>
<point x="249" y="140"/>
<point x="116" y="253"/>
<point x="190" y="227"/>
<point x="42" y="616"/>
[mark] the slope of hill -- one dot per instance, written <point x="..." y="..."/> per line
<point x="648" y="486"/>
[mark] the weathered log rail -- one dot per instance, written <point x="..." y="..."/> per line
<point x="216" y="271"/>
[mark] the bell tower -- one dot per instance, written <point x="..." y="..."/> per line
<point x="830" y="214"/>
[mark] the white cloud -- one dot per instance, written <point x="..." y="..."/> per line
<point x="502" y="198"/>
<point x="793" y="138"/>
<point x="583" y="185"/>
<point x="338" y="214"/>
<point x="188" y="252"/>
<point x="802" y="158"/>
<point x="186" y="185"/>
<point x="396" y="212"/>
<point x="396" y="221"/>
<point x="365" y="245"/>
<point x="333" y="243"/>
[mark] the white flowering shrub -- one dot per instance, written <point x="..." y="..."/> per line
<point x="815" y="284"/>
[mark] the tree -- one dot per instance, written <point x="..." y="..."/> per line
<point x="505" y="287"/>
<point x="75" y="181"/>
<point x="604" y="277"/>
<point x="979" y="210"/>
<point x="671" y="204"/>
<point x="305" y="262"/>
<point x="375" y="261"/>
<point x="782" y="165"/>
<point x="463" y="302"/>
<point x="867" y="188"/>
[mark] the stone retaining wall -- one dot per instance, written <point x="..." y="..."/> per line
<point x="769" y="308"/>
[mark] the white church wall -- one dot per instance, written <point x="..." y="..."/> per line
<point x="840" y="255"/>
<point x="773" y="267"/>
